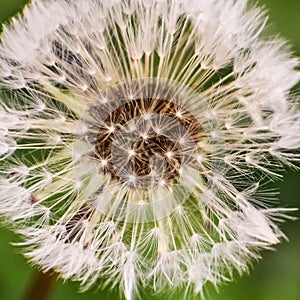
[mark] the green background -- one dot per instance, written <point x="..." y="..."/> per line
<point x="276" y="277"/>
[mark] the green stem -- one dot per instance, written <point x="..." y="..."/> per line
<point x="41" y="286"/>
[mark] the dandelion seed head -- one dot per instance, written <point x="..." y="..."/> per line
<point x="135" y="135"/>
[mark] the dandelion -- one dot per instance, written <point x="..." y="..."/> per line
<point x="136" y="138"/>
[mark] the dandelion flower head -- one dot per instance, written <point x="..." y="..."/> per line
<point x="136" y="137"/>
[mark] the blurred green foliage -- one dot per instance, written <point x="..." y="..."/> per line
<point x="276" y="277"/>
<point x="9" y="8"/>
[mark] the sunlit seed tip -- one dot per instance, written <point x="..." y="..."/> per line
<point x="104" y="162"/>
<point x="179" y="209"/>
<point x="147" y="116"/>
<point x="145" y="136"/>
<point x="142" y="202"/>
<point x="103" y="100"/>
<point x="169" y="154"/>
<point x="158" y="130"/>
<point x="132" y="178"/>
<point x="179" y="114"/>
<point x="78" y="184"/>
<point x="200" y="158"/>
<point x="182" y="141"/>
<point x="84" y="87"/>
<point x="162" y="182"/>
<point x="131" y="153"/>
<point x="92" y="71"/>
<point x="54" y="139"/>
<point x="111" y="129"/>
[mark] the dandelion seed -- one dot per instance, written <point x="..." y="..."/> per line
<point x="135" y="136"/>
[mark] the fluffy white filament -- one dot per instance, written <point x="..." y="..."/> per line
<point x="58" y="63"/>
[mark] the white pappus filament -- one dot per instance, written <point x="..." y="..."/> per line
<point x="135" y="136"/>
